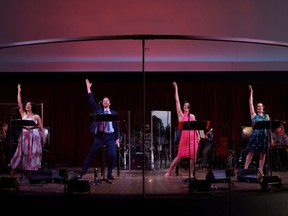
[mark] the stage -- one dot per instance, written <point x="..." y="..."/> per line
<point x="232" y="197"/>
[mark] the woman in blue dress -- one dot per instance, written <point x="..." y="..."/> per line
<point x="258" y="141"/>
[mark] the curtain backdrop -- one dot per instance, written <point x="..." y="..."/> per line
<point x="220" y="97"/>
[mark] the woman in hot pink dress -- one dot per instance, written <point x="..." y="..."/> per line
<point x="188" y="144"/>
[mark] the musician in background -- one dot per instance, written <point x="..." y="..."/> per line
<point x="3" y="131"/>
<point x="279" y="150"/>
<point x="28" y="154"/>
<point x="3" y="141"/>
<point x="279" y="137"/>
<point x="205" y="146"/>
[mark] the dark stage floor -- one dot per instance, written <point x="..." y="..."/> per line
<point x="128" y="191"/>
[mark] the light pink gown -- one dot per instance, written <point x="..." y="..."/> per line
<point x="29" y="149"/>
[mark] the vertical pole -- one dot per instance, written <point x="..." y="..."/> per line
<point x="144" y="106"/>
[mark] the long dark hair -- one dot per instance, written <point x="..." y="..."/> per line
<point x="186" y="101"/>
<point x="33" y="106"/>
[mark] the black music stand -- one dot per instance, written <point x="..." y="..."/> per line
<point x="103" y="118"/>
<point x="269" y="125"/>
<point x="20" y="124"/>
<point x="193" y="125"/>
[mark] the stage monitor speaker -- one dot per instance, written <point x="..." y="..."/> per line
<point x="270" y="183"/>
<point x="78" y="186"/>
<point x="219" y="176"/>
<point x="9" y="183"/>
<point x="40" y="176"/>
<point x="60" y="176"/>
<point x="137" y="161"/>
<point x="199" y="186"/>
<point x="247" y="175"/>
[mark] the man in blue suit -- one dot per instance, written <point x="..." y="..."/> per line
<point x="105" y="133"/>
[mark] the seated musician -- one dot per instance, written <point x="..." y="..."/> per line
<point x="205" y="146"/>
<point x="3" y="142"/>
<point x="279" y="137"/>
<point x="280" y="147"/>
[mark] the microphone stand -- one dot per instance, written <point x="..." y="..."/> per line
<point x="270" y="131"/>
<point x="189" y="130"/>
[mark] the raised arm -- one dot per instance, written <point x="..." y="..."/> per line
<point x="178" y="106"/>
<point x="19" y="101"/>
<point x="88" y="85"/>
<point x="91" y="98"/>
<point x="251" y="106"/>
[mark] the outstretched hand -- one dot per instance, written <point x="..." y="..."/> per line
<point x="19" y="86"/>
<point x="88" y="86"/>
<point x="88" y="83"/>
<point x="250" y="88"/>
<point x="174" y="84"/>
<point x="118" y="143"/>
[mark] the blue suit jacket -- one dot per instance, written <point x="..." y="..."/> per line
<point x="98" y="110"/>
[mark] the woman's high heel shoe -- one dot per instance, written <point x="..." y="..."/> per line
<point x="168" y="175"/>
<point x="260" y="176"/>
<point x="12" y="173"/>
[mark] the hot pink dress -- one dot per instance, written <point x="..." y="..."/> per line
<point x="187" y="139"/>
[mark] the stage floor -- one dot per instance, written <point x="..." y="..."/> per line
<point x="133" y="187"/>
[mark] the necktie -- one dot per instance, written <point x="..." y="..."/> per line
<point x="107" y="129"/>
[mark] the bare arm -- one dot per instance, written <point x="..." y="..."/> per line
<point x="88" y="85"/>
<point x="178" y="106"/>
<point x="19" y="101"/>
<point x="251" y="106"/>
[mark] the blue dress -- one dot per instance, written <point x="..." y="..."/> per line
<point x="258" y="141"/>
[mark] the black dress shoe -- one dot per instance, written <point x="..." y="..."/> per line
<point x="110" y="177"/>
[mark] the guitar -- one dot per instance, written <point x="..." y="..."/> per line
<point x="205" y="136"/>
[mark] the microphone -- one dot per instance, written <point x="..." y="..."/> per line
<point x="15" y="108"/>
<point x="100" y="102"/>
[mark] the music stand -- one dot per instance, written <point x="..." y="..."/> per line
<point x="193" y="125"/>
<point x="20" y="124"/>
<point x="269" y="125"/>
<point x="103" y="118"/>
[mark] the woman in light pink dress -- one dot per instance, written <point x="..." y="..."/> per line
<point x="28" y="154"/>
<point x="189" y="140"/>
